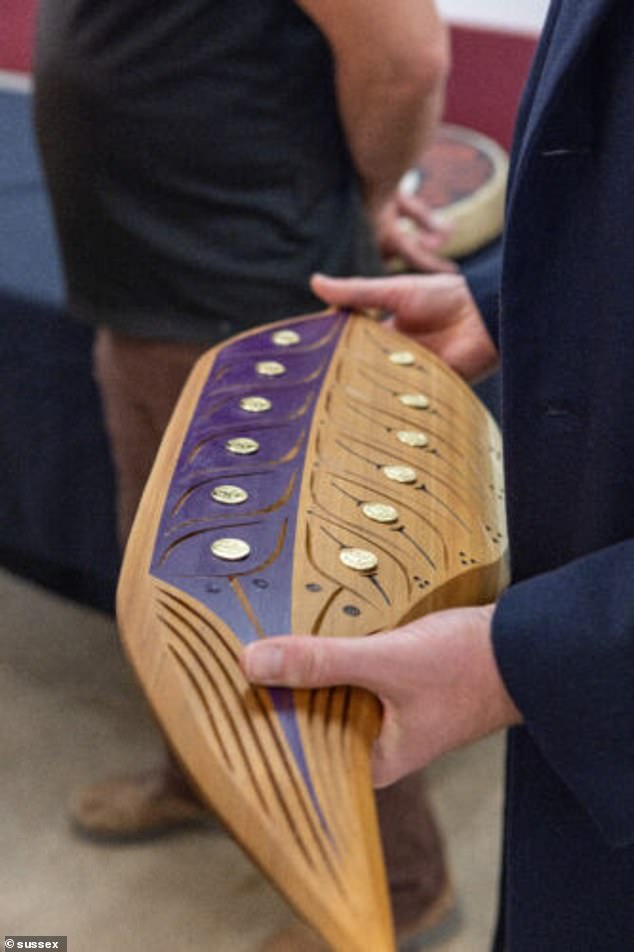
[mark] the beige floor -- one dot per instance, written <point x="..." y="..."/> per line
<point x="70" y="712"/>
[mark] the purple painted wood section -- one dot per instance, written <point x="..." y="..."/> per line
<point x="191" y="520"/>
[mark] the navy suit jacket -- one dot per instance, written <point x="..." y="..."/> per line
<point x="564" y="630"/>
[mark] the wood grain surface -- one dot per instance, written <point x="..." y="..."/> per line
<point x="288" y="771"/>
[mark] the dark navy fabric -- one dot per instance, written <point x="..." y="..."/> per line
<point x="564" y="630"/>
<point x="29" y="263"/>
<point x="57" y="498"/>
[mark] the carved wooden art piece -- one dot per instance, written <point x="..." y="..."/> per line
<point x="327" y="476"/>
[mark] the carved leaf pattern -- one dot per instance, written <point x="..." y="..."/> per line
<point x="288" y="772"/>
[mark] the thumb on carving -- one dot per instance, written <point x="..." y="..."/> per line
<point x="301" y="661"/>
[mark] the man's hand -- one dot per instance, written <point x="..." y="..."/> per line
<point x="406" y="231"/>
<point x="436" y="310"/>
<point x="436" y="678"/>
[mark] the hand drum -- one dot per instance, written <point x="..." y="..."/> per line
<point x="324" y="475"/>
<point x="462" y="177"/>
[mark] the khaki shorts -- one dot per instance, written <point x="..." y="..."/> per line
<point x="139" y="381"/>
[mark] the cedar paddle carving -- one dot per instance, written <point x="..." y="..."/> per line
<point x="323" y="475"/>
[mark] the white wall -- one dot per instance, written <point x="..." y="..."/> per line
<point x="518" y="15"/>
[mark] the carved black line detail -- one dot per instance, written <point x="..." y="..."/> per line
<point x="198" y="691"/>
<point x="219" y="516"/>
<point x="311" y="559"/>
<point x="391" y="452"/>
<point x="387" y="350"/>
<point x="300" y="792"/>
<point x="219" y="435"/>
<point x="271" y="774"/>
<point x="366" y="459"/>
<point x="400" y="502"/>
<point x="422" y="487"/>
<point x="402" y="531"/>
<point x="376" y="542"/>
<point x="197" y="532"/>
<point x="229" y="720"/>
<point x="259" y="387"/>
<point x="325" y="608"/>
<point x="345" y="712"/>
<point x="374" y="580"/>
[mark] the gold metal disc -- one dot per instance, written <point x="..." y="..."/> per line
<point x="242" y="445"/>
<point x="418" y="401"/>
<point x="255" y="404"/>
<point x="412" y="438"/>
<point x="400" y="474"/>
<point x="361" y="560"/>
<point x="231" y="550"/>
<point x="230" y="495"/>
<point x="285" y="338"/>
<point x="379" y="512"/>
<point x="270" y="368"/>
<point x="404" y="358"/>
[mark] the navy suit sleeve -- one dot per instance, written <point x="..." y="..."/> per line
<point x="564" y="643"/>
<point x="483" y="278"/>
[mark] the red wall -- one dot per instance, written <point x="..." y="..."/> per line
<point x="16" y="34"/>
<point x="489" y="69"/>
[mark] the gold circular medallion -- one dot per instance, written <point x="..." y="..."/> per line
<point x="379" y="512"/>
<point x="255" y="404"/>
<point x="404" y="358"/>
<point x="242" y="445"/>
<point x="412" y="438"/>
<point x="361" y="560"/>
<point x="230" y="495"/>
<point x="270" y="368"/>
<point x="285" y="338"/>
<point x="400" y="474"/>
<point x="231" y="550"/>
<point x="418" y="401"/>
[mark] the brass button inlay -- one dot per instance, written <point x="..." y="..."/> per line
<point x="285" y="338"/>
<point x="418" y="401"/>
<point x="412" y="438"/>
<point x="379" y="512"/>
<point x="231" y="550"/>
<point x="361" y="560"/>
<point x="230" y="495"/>
<point x="404" y="358"/>
<point x="270" y="368"/>
<point x="400" y="474"/>
<point x="255" y="404"/>
<point x="242" y="445"/>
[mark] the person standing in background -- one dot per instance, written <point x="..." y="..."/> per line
<point x="203" y="159"/>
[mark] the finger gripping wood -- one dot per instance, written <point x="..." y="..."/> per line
<point x="323" y="475"/>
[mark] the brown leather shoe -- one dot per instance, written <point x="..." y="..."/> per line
<point x="438" y="922"/>
<point x="138" y="806"/>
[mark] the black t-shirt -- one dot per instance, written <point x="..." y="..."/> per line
<point x="196" y="162"/>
